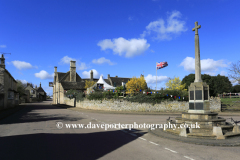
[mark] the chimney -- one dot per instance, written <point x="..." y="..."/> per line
<point x="72" y="71"/>
<point x="55" y="74"/>
<point x="2" y="62"/>
<point x="55" y="69"/>
<point x="40" y="85"/>
<point x="108" y="76"/>
<point x="91" y="75"/>
<point x="116" y="76"/>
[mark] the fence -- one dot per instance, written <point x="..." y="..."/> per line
<point x="229" y="95"/>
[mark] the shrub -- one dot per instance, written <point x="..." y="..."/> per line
<point x="80" y="96"/>
<point x="95" y="96"/>
<point x="108" y="94"/>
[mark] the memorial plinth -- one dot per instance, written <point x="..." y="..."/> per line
<point x="198" y="98"/>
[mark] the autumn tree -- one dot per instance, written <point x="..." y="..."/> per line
<point x="175" y="84"/>
<point x="89" y="84"/>
<point x="136" y="84"/>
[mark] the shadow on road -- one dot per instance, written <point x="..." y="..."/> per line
<point x="62" y="146"/>
<point x="33" y="114"/>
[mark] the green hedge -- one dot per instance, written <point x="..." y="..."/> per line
<point x="158" y="97"/>
<point x="162" y="95"/>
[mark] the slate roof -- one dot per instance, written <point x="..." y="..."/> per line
<point x="10" y="75"/>
<point x="80" y="83"/>
<point x="73" y="85"/>
<point x="60" y="75"/>
<point x="107" y="81"/>
<point x="40" y="89"/>
<point x="88" y="79"/>
<point x="118" y="81"/>
<point x="78" y="78"/>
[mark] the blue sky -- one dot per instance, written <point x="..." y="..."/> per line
<point x="117" y="37"/>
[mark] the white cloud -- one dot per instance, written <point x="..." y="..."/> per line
<point x="44" y="75"/>
<point x="66" y="60"/>
<point x="152" y="79"/>
<point x="165" y="30"/>
<point x="207" y="65"/>
<point x="22" y="65"/>
<point x="102" y="60"/>
<point x="23" y="81"/>
<point x="123" y="47"/>
<point x="86" y="74"/>
<point x="223" y="73"/>
<point x="3" y="46"/>
<point x="79" y="65"/>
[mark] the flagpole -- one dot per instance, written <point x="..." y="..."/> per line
<point x="156" y="78"/>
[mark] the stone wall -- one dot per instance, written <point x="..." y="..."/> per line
<point x="123" y="105"/>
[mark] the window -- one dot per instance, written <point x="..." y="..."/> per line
<point x="31" y="91"/>
<point x="10" y="94"/>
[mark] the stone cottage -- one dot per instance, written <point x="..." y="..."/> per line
<point x="9" y="96"/>
<point x="36" y="92"/>
<point x="41" y="94"/>
<point x="71" y="80"/>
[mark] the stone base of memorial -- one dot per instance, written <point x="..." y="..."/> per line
<point x="209" y="125"/>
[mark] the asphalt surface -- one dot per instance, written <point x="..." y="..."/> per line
<point x="33" y="133"/>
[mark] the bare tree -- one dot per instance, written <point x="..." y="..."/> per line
<point x="235" y="72"/>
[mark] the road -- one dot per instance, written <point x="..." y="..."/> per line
<point x="32" y="133"/>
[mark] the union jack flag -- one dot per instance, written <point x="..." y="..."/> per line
<point x="161" y="65"/>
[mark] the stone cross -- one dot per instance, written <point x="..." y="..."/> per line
<point x="196" y="28"/>
<point x="197" y="54"/>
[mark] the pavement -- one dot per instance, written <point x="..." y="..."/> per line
<point x="229" y="142"/>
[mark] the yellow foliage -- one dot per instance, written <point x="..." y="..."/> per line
<point x="175" y="84"/>
<point x="89" y="84"/>
<point x="135" y="85"/>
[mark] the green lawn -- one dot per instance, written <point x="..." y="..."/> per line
<point x="231" y="104"/>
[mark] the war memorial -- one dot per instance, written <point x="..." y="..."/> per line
<point x="210" y="126"/>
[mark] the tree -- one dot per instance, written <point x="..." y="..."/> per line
<point x="136" y="84"/>
<point x="89" y="84"/>
<point x="120" y="88"/>
<point x="188" y="80"/>
<point x="219" y="84"/>
<point x="235" y="72"/>
<point x="236" y="89"/>
<point x="21" y="88"/>
<point x="191" y="77"/>
<point x="175" y="84"/>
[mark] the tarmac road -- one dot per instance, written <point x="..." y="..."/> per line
<point x="32" y="133"/>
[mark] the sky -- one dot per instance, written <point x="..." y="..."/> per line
<point x="123" y="38"/>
